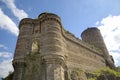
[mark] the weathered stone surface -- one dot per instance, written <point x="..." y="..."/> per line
<point x="45" y="51"/>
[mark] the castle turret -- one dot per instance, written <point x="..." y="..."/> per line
<point x="93" y="37"/>
<point x="25" y="28"/>
<point x="53" y="46"/>
<point x="22" y="47"/>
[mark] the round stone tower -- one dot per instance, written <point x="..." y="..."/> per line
<point x="52" y="49"/>
<point x="93" y="37"/>
<point x="52" y="37"/>
<point x="25" y="30"/>
<point x="22" y="47"/>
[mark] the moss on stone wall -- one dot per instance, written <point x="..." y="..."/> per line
<point x="78" y="74"/>
<point x="33" y="66"/>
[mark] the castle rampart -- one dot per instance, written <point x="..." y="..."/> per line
<point x="46" y="51"/>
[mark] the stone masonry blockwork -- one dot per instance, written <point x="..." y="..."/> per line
<point x="46" y="51"/>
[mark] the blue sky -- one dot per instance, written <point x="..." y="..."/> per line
<point x="76" y="16"/>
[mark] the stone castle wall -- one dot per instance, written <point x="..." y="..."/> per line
<point x="46" y="51"/>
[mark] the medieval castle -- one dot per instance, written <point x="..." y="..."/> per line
<point x="46" y="51"/>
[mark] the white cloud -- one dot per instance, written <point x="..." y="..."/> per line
<point x="20" y="14"/>
<point x="5" y="55"/>
<point x="5" y="67"/>
<point x="110" y="29"/>
<point x="3" y="47"/>
<point x="5" y="64"/>
<point x="7" y="24"/>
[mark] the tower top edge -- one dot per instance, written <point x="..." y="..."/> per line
<point x="90" y="29"/>
<point x="41" y="18"/>
<point x="48" y="14"/>
<point x="26" y="19"/>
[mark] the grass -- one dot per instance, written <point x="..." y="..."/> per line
<point x="106" y="71"/>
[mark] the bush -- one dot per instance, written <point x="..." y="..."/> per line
<point x="106" y="70"/>
<point x="118" y="69"/>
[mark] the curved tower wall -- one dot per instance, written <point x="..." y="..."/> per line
<point x="52" y="48"/>
<point x="22" y="47"/>
<point x="93" y="37"/>
<point x="52" y="38"/>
